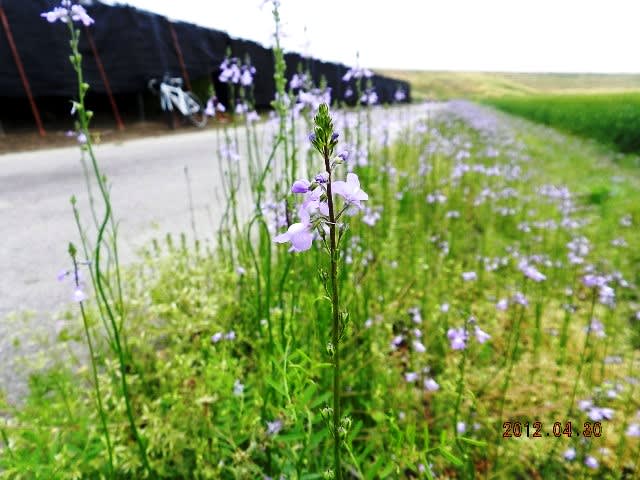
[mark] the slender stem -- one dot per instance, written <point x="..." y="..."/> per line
<point x="584" y="352"/>
<point x="83" y="120"/>
<point x="335" y="335"/>
<point x="96" y="385"/>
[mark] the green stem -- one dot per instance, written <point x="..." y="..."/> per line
<point x="335" y="334"/>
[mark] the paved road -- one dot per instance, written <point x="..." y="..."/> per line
<point x="149" y="193"/>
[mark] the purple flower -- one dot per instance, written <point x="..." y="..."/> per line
<point x="419" y="347"/>
<point x="461" y="427"/>
<point x="431" y="385"/>
<point x="596" y="327"/>
<point x="350" y="190"/>
<point x="371" y="216"/>
<point x="312" y="137"/>
<point x="322" y="177"/>
<point x="469" y="276"/>
<point x="481" y="336"/>
<point x="410" y="377"/>
<point x="569" y="454"/>
<point x="62" y="275"/>
<point x="300" y="186"/>
<point x="273" y="428"/>
<point x="531" y="272"/>
<point x="502" y="304"/>
<point x="78" y="295"/>
<point x="216" y="337"/>
<point x="458" y="338"/>
<point x="210" y="110"/>
<point x="299" y="234"/>
<point x="591" y="462"/>
<point x="58" y="13"/>
<point x="343" y="156"/>
<point x="79" y="14"/>
<point x="231" y="335"/>
<point x="252" y="116"/>
<point x="633" y="430"/>
<point x="238" y="388"/>
<point x="312" y="203"/>
<point x="593" y="281"/>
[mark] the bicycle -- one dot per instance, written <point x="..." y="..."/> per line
<point x="172" y="95"/>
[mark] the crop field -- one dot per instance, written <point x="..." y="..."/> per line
<point x="612" y="119"/>
<point x="414" y="291"/>
<point x="434" y="85"/>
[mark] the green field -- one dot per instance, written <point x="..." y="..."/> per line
<point x="612" y="119"/>
<point x="478" y="85"/>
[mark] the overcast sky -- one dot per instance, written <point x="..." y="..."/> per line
<point x="489" y="35"/>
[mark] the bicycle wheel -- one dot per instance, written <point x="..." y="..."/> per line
<point x="196" y="113"/>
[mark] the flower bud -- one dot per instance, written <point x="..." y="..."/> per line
<point x="300" y="186"/>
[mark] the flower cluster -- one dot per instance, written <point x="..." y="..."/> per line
<point x="315" y="210"/>
<point x="458" y="337"/>
<point x="357" y="72"/>
<point x="314" y="213"/>
<point x="232" y="70"/>
<point x="67" y="12"/>
<point x="213" y="106"/>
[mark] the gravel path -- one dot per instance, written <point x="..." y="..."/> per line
<point x="150" y="199"/>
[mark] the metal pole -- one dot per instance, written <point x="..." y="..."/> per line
<point x="185" y="74"/>
<point x="23" y="75"/>
<point x="105" y="80"/>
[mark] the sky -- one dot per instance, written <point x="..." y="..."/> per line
<point x="465" y="35"/>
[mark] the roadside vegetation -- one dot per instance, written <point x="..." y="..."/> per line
<point x="448" y="293"/>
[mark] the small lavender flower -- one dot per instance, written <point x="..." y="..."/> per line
<point x="350" y="190"/>
<point x="273" y="428"/>
<point x="461" y="427"/>
<point x="502" y="304"/>
<point x="458" y="338"/>
<point x="469" y="276"/>
<point x="596" y="327"/>
<point x="520" y="299"/>
<point x="396" y="341"/>
<point x="300" y="186"/>
<point x="419" y="347"/>
<point x="321" y="178"/>
<point x="299" y="234"/>
<point x="238" y="388"/>
<point x="216" y="337"/>
<point x="569" y="454"/>
<point x="633" y="430"/>
<point x="231" y="335"/>
<point x="531" y="272"/>
<point x="481" y="336"/>
<point x="78" y="295"/>
<point x="591" y="462"/>
<point x="411" y="377"/>
<point x="431" y="385"/>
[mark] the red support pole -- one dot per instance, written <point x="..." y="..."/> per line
<point x="105" y="80"/>
<point x="23" y="75"/>
<point x="187" y="82"/>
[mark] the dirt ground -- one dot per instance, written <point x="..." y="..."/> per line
<point x="30" y="140"/>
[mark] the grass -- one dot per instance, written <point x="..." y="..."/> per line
<point x="430" y="85"/>
<point x="612" y="119"/>
<point x="206" y="409"/>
